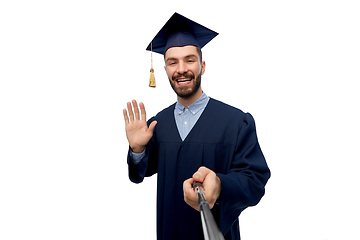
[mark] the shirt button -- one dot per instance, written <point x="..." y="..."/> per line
<point x="185" y="123"/>
<point x="180" y="112"/>
<point x="186" y="109"/>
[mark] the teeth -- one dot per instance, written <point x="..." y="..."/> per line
<point x="184" y="80"/>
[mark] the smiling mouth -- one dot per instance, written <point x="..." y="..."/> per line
<point x="183" y="81"/>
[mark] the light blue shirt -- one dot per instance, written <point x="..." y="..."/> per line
<point x="185" y="118"/>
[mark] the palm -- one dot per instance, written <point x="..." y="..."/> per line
<point x="137" y="131"/>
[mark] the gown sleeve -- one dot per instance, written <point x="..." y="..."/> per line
<point x="148" y="164"/>
<point x="244" y="184"/>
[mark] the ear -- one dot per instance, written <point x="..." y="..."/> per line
<point x="203" y="65"/>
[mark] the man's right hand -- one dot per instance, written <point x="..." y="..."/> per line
<point x="137" y="131"/>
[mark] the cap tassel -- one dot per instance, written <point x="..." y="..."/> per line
<point x="152" y="76"/>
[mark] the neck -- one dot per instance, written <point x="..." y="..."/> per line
<point x="190" y="100"/>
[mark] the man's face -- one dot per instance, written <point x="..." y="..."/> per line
<point x="184" y="70"/>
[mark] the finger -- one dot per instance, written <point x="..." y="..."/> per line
<point x="126" y="118"/>
<point x="189" y="194"/>
<point x="201" y="174"/>
<point x="143" y="112"/>
<point x="136" y="110"/>
<point x="131" y="113"/>
<point x="188" y="183"/>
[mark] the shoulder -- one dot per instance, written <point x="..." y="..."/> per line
<point x="226" y="111"/>
<point x="223" y="108"/>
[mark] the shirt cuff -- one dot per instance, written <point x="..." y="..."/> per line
<point x="137" y="157"/>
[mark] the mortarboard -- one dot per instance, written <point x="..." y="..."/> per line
<point x="179" y="31"/>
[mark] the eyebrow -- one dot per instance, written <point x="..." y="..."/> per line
<point x="191" y="55"/>
<point x="188" y="56"/>
<point x="170" y="59"/>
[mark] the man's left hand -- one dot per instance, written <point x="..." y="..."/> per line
<point x="211" y="184"/>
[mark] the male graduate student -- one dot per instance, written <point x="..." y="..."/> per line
<point x="195" y="139"/>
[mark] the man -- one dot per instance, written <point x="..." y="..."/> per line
<point x="196" y="139"/>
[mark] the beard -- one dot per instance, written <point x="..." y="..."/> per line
<point x="185" y="91"/>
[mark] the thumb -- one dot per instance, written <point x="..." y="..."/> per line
<point x="152" y="126"/>
<point x="201" y="174"/>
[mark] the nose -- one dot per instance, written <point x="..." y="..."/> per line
<point x="182" y="68"/>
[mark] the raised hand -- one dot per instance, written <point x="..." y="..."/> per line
<point x="137" y="131"/>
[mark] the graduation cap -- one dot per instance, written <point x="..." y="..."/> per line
<point x="178" y="31"/>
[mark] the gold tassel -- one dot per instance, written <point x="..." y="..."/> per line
<point x="152" y="76"/>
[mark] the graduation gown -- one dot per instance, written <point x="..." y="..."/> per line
<point x="223" y="140"/>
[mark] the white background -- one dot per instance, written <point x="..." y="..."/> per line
<point x="67" y="69"/>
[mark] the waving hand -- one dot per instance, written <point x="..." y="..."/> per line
<point x="137" y="131"/>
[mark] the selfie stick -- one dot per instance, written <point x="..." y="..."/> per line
<point x="210" y="228"/>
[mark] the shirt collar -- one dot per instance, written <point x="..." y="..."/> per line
<point x="194" y="107"/>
